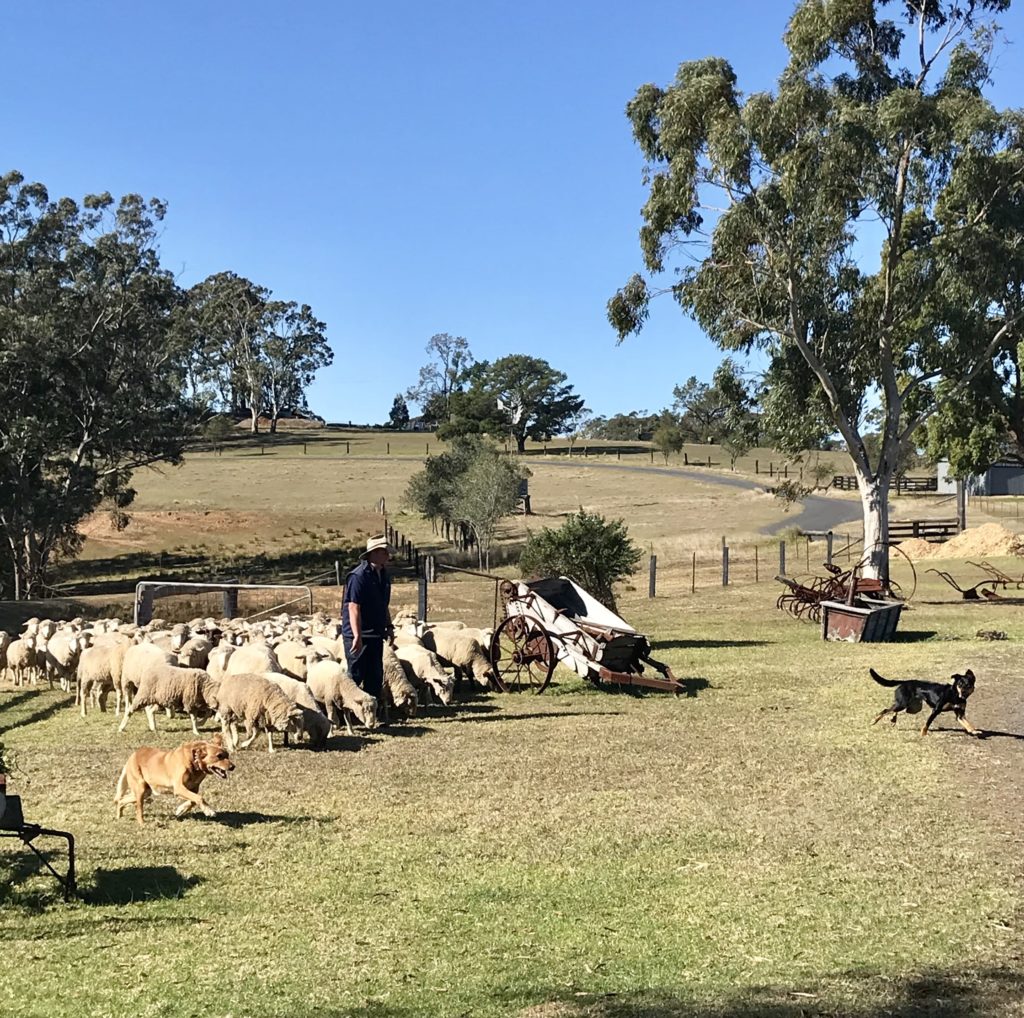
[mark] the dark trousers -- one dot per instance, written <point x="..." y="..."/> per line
<point x="367" y="667"/>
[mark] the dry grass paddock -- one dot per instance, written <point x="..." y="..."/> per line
<point x="753" y="848"/>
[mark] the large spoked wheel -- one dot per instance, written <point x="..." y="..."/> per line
<point x="523" y="656"/>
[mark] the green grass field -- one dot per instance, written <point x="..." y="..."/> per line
<point x="754" y="848"/>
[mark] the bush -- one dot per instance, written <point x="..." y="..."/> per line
<point x="589" y="549"/>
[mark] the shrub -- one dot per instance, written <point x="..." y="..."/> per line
<point x="596" y="553"/>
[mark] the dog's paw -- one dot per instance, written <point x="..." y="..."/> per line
<point x="207" y="812"/>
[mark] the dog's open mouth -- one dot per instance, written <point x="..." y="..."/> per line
<point x="219" y="771"/>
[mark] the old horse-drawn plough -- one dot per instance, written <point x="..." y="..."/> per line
<point x="552" y="620"/>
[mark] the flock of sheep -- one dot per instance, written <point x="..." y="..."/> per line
<point x="285" y="675"/>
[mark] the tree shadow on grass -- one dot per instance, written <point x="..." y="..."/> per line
<point x="704" y="644"/>
<point x="235" y="819"/>
<point x="541" y="716"/>
<point x="138" y="883"/>
<point x="936" y="994"/>
<point x="56" y="707"/>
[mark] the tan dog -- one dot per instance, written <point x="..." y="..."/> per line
<point x="180" y="771"/>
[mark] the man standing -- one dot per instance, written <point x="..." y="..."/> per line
<point x="365" y="616"/>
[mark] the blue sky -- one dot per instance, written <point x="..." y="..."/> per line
<point x="405" y="169"/>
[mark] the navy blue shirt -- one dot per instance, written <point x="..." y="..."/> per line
<point x="371" y="590"/>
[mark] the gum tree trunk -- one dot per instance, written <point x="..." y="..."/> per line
<point x="874" y="496"/>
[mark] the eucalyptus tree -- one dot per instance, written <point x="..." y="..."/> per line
<point x="294" y="348"/>
<point x="878" y="133"/>
<point x="91" y="368"/>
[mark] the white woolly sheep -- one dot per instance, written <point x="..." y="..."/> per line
<point x="99" y="672"/>
<point x="188" y="690"/>
<point x="217" y="662"/>
<point x="425" y="671"/>
<point x="252" y="659"/>
<point x="331" y="686"/>
<point x="398" y="690"/>
<point x="21" y="660"/>
<point x="137" y="660"/>
<point x="62" y="653"/>
<point x="461" y="651"/>
<point x="258" y="704"/>
<point x="195" y="652"/>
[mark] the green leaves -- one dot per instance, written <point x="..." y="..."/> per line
<point x="587" y="548"/>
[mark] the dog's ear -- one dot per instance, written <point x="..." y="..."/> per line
<point x="198" y="756"/>
<point x="969" y="675"/>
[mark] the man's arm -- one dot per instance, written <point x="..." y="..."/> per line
<point x="355" y="621"/>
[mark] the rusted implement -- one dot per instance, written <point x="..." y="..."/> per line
<point x="552" y="620"/>
<point x="1005" y="579"/>
<point x="983" y="590"/>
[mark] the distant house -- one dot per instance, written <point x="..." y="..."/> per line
<point x="418" y="424"/>
<point x="1005" y="477"/>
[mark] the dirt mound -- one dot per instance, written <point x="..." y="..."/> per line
<point x="990" y="539"/>
<point x="144" y="525"/>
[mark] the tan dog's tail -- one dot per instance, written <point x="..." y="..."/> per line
<point x="122" y="784"/>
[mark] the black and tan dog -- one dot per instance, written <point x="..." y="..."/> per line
<point x="912" y="695"/>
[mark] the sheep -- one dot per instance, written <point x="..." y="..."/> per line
<point x="217" y="661"/>
<point x="99" y="672"/>
<point x="331" y="685"/>
<point x="425" y="670"/>
<point x="5" y="642"/>
<point x="21" y="659"/>
<point x="295" y="657"/>
<point x="195" y="652"/>
<point x="161" y="684"/>
<point x="138" y="659"/>
<point x="258" y="704"/>
<point x="296" y="691"/>
<point x="314" y="724"/>
<point x="463" y="652"/>
<point x="398" y="690"/>
<point x="62" y="653"/>
<point x="252" y="659"/>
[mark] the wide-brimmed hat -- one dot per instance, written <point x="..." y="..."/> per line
<point x="375" y="544"/>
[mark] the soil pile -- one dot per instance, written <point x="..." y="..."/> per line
<point x="992" y="539"/>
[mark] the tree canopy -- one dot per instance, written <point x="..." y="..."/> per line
<point x="878" y="132"/>
<point x="595" y="552"/>
<point x="249" y="352"/>
<point x="91" y="368"/>
<point x="442" y="376"/>
<point x="518" y="395"/>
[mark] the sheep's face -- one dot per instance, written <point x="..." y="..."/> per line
<point x="367" y="712"/>
<point x="483" y="672"/>
<point x="443" y="687"/>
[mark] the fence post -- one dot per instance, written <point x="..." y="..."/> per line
<point x="756" y="467"/>
<point x="652" y="455"/>
<point x="782" y="558"/>
<point x="771" y="469"/>
<point x="755" y="564"/>
<point x="828" y="547"/>
<point x="785" y="470"/>
<point x="421" y="600"/>
<point x="389" y="448"/>
<point x="337" y="573"/>
<point x="262" y="448"/>
<point x="686" y="459"/>
<point x="808" y="554"/>
<point x="303" y="448"/>
<point x="693" y="573"/>
<point x="709" y="459"/>
<point x="348" y="447"/>
<point x="725" y="566"/>
<point x="652" y="580"/>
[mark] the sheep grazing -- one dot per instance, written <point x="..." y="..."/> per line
<point x="258" y="704"/>
<point x="399" y="692"/>
<point x="295" y="657"/>
<point x="340" y="697"/>
<point x="296" y="691"/>
<point x="425" y="671"/>
<point x="190" y="691"/>
<point x="463" y="652"/>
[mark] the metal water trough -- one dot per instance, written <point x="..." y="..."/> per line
<point x="867" y="620"/>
